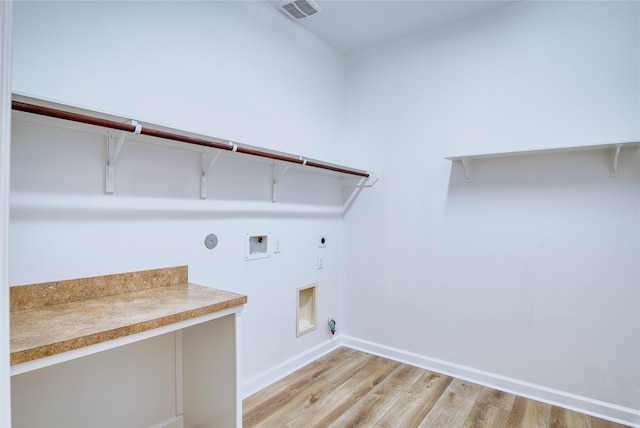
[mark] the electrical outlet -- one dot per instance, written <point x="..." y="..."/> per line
<point x="276" y="245"/>
<point x="320" y="261"/>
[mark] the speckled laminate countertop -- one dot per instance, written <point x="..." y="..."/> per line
<point x="51" y="318"/>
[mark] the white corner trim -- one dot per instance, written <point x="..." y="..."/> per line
<point x="5" y="162"/>
<point x="600" y="409"/>
<point x="176" y="422"/>
<point x="266" y="378"/>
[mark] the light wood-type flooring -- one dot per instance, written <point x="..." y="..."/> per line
<point x="349" y="388"/>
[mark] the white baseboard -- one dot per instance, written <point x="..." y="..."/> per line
<point x="600" y="409"/>
<point x="176" y="422"/>
<point x="262" y="380"/>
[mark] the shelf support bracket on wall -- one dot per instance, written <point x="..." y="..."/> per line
<point x="277" y="178"/>
<point x="615" y="157"/>
<point x="467" y="164"/>
<point x="362" y="184"/>
<point x="205" y="168"/>
<point x="113" y="151"/>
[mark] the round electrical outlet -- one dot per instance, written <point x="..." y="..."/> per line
<point x="211" y="241"/>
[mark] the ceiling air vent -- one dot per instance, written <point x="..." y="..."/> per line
<point x="299" y="9"/>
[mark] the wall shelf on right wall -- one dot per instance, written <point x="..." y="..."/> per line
<point x="615" y="149"/>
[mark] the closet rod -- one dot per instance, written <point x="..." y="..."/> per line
<point x="90" y="120"/>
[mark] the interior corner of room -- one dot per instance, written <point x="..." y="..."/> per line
<point x="462" y="198"/>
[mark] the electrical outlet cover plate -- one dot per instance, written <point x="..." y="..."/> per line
<point x="322" y="241"/>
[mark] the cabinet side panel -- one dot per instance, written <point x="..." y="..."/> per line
<point x="209" y="374"/>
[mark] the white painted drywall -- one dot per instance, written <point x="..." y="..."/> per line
<point x="239" y="70"/>
<point x="530" y="272"/>
<point x="235" y="70"/>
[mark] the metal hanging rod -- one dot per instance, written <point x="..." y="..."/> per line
<point x="90" y="120"/>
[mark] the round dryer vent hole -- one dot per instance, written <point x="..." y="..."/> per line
<point x="211" y="241"/>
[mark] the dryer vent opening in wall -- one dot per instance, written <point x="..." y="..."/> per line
<point x="299" y="9"/>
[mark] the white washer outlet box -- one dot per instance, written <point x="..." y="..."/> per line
<point x="257" y="246"/>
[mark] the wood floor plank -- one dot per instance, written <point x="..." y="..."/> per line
<point x="563" y="418"/>
<point x="495" y="398"/>
<point x="529" y="413"/>
<point x="416" y="402"/>
<point x="517" y="412"/>
<point x="345" y="364"/>
<point x="453" y="407"/>
<point x="331" y="406"/>
<point x="281" y="415"/>
<point x="280" y="392"/>
<point x="365" y="412"/>
<point x="493" y="417"/>
<point x="601" y="423"/>
<point x="491" y="409"/>
<point x="299" y="389"/>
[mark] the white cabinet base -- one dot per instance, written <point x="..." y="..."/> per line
<point x="183" y="378"/>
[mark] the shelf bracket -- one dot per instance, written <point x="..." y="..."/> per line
<point x="467" y="164"/>
<point x="615" y="157"/>
<point x="113" y="151"/>
<point x="277" y="178"/>
<point x="362" y="184"/>
<point x="205" y="168"/>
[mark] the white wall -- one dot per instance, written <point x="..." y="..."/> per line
<point x="207" y="67"/>
<point x="238" y="70"/>
<point x="532" y="271"/>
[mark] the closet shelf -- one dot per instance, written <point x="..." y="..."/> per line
<point x="120" y="128"/>
<point x="614" y="148"/>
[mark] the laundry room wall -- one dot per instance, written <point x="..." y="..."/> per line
<point x="241" y="71"/>
<point x="527" y="277"/>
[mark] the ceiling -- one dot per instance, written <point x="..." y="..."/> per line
<point x="354" y="25"/>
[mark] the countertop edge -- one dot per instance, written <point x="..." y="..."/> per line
<point x="47" y="350"/>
